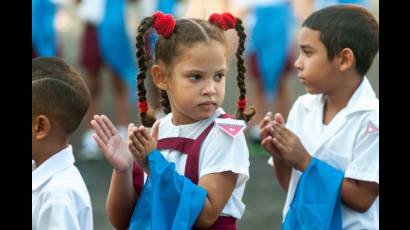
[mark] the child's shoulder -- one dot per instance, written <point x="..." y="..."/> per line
<point x="229" y="127"/>
<point x="307" y="101"/>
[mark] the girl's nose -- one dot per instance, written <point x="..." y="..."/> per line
<point x="209" y="89"/>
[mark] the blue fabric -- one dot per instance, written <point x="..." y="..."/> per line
<point x="317" y="201"/>
<point x="43" y="36"/>
<point x="364" y="3"/>
<point x="168" y="200"/>
<point x="115" y="45"/>
<point x="270" y="40"/>
<point x="166" y="6"/>
<point x="324" y="3"/>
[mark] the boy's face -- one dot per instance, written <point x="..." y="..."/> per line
<point x="315" y="71"/>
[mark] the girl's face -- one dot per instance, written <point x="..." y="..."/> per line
<point x="315" y="71"/>
<point x="196" y="85"/>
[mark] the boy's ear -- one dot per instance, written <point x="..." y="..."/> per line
<point x="159" y="76"/>
<point x="41" y="127"/>
<point x="346" y="59"/>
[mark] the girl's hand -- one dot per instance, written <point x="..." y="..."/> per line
<point x="114" y="149"/>
<point x="289" y="146"/>
<point x="140" y="143"/>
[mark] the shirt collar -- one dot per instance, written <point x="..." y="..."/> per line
<point x="53" y="165"/>
<point x="168" y="129"/>
<point x="364" y="98"/>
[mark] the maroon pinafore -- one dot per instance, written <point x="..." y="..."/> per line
<point x="192" y="148"/>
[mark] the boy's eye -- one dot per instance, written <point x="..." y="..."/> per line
<point x="218" y="77"/>
<point x="307" y="53"/>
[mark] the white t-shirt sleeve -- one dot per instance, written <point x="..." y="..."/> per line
<point x="223" y="152"/>
<point x="365" y="158"/>
<point x="57" y="213"/>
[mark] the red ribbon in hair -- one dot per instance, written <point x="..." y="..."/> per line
<point x="164" y="24"/>
<point x="224" y="21"/>
<point x="143" y="106"/>
<point x="242" y="103"/>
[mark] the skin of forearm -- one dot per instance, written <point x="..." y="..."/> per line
<point x="283" y="172"/>
<point x="207" y="217"/>
<point x="121" y="199"/>
<point x="220" y="187"/>
<point x="359" y="195"/>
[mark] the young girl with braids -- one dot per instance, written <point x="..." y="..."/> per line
<point x="204" y="143"/>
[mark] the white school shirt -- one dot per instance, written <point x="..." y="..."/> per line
<point x="91" y="11"/>
<point x="350" y="143"/>
<point x="60" y="198"/>
<point x="219" y="152"/>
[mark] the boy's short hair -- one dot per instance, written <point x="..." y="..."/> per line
<point x="58" y="92"/>
<point x="347" y="26"/>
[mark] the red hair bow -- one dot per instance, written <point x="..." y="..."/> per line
<point x="224" y="21"/>
<point x="241" y="103"/>
<point x="143" y="106"/>
<point x="164" y="24"/>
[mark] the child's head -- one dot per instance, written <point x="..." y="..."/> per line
<point x="190" y="66"/>
<point x="60" y="99"/>
<point x="349" y="37"/>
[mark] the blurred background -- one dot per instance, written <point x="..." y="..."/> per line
<point x="97" y="37"/>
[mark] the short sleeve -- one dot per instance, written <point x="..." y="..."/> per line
<point x="365" y="158"/>
<point x="57" y="214"/>
<point x="222" y="152"/>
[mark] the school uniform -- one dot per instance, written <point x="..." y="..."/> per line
<point x="91" y="12"/>
<point x="208" y="146"/>
<point x="349" y="143"/>
<point x="60" y="199"/>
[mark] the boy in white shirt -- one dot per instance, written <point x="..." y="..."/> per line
<point x="60" y="98"/>
<point x="337" y="122"/>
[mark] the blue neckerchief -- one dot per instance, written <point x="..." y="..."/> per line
<point x="270" y="40"/>
<point x="317" y="201"/>
<point x="168" y="200"/>
<point x="43" y="36"/>
<point x="115" y="45"/>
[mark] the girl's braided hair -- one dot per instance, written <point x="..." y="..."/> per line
<point x="184" y="33"/>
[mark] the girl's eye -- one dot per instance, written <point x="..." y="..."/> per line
<point x="218" y="77"/>
<point x="195" y="77"/>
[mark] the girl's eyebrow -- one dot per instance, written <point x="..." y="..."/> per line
<point x="222" y="70"/>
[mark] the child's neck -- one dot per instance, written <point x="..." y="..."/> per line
<point x="50" y="147"/>
<point x="337" y="99"/>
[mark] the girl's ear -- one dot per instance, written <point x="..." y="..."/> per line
<point x="346" y="59"/>
<point x="41" y="127"/>
<point x="159" y="76"/>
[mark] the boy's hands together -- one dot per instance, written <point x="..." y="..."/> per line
<point x="290" y="147"/>
<point x="265" y="133"/>
<point x="282" y="143"/>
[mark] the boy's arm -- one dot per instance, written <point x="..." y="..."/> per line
<point x="283" y="172"/>
<point x="359" y="195"/>
<point x="281" y="168"/>
<point x="360" y="187"/>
